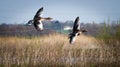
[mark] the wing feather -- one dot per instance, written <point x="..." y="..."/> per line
<point x="39" y="12"/>
<point x="76" y="26"/>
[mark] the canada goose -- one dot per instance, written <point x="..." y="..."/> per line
<point x="37" y="20"/>
<point x="76" y="31"/>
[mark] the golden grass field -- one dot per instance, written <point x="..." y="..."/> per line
<point x="55" y="51"/>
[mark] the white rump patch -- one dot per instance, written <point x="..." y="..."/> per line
<point x="40" y="26"/>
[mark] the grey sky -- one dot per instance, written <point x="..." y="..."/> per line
<point x="19" y="11"/>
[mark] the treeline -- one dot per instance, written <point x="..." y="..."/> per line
<point x="110" y="31"/>
<point x="21" y="30"/>
<point x="101" y="30"/>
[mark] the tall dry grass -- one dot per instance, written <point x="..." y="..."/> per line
<point x="55" y="51"/>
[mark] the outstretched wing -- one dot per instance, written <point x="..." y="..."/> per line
<point x="30" y="21"/>
<point x="76" y="26"/>
<point x="39" y="12"/>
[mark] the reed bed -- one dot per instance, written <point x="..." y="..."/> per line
<point x="54" y="50"/>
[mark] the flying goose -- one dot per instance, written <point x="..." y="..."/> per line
<point x="76" y="31"/>
<point x="37" y="20"/>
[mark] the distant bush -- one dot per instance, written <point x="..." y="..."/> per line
<point x="109" y="31"/>
<point x="117" y="34"/>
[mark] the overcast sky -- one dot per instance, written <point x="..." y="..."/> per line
<point x="20" y="11"/>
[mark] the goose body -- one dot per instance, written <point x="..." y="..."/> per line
<point x="76" y="31"/>
<point x="37" y="20"/>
